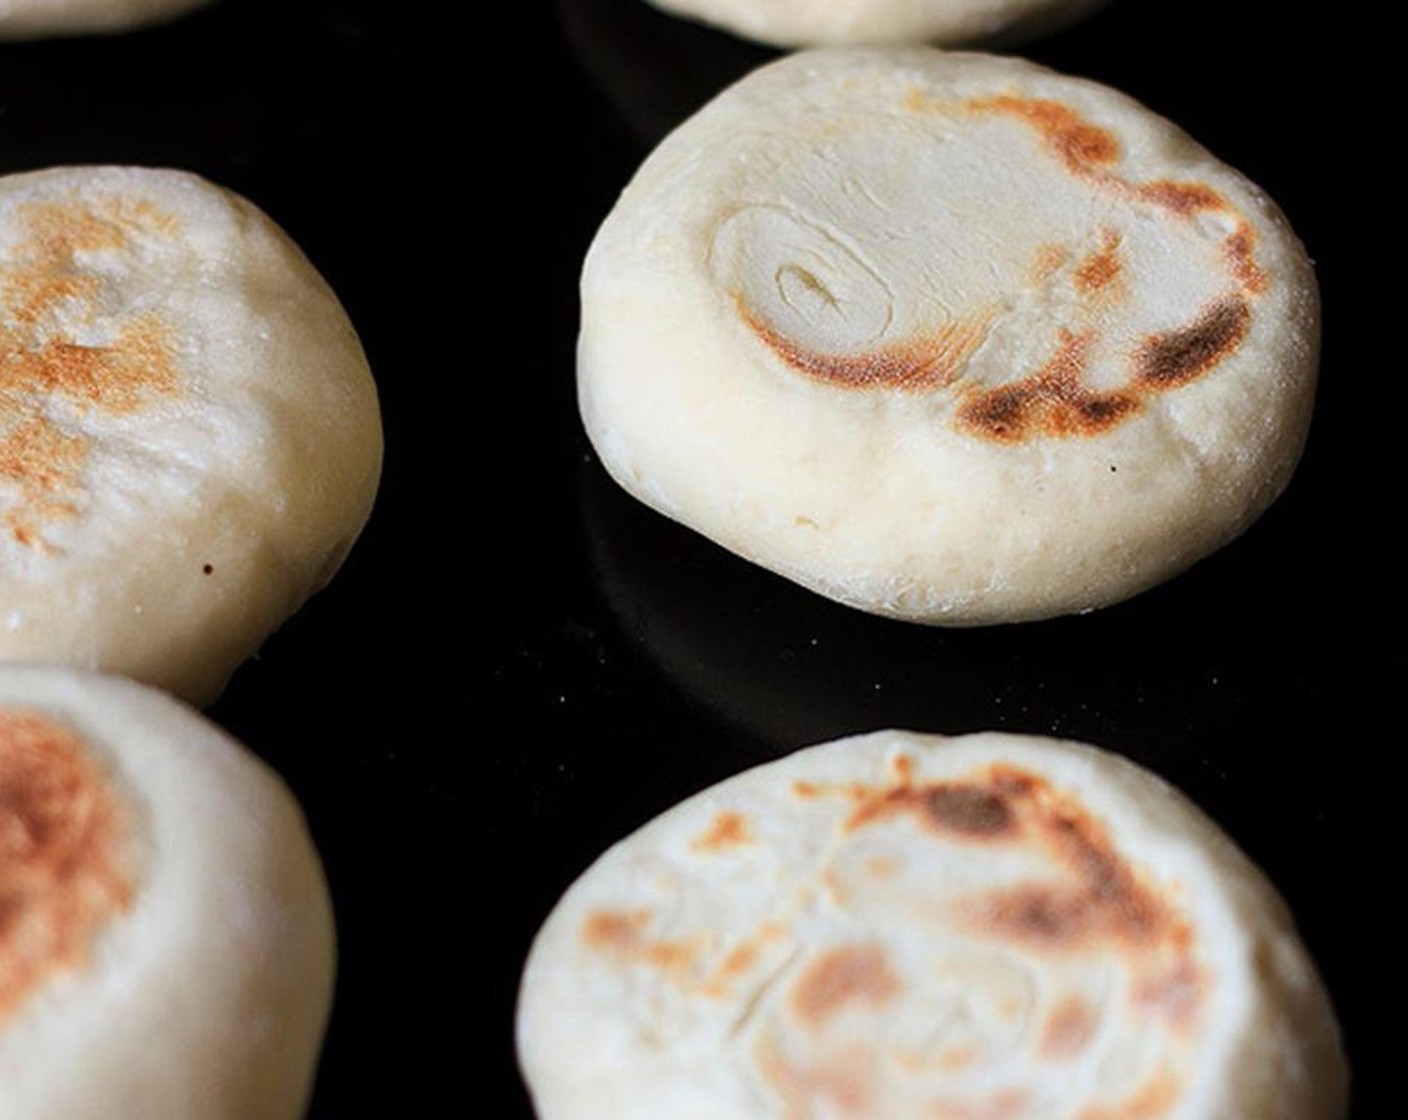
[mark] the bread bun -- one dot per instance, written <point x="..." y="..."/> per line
<point x="166" y="939"/>
<point x="946" y="337"/>
<point x="189" y="433"/>
<point x="897" y="925"/>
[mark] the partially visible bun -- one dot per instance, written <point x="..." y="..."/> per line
<point x="817" y="23"/>
<point x="166" y="938"/>
<point x="897" y="926"/>
<point x="189" y="433"/>
<point x="34" y="19"/>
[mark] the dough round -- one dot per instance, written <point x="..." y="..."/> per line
<point x="34" y="19"/>
<point x="947" y="337"/>
<point x="189" y="434"/>
<point x="166" y="939"/>
<point x="898" y="925"/>
<point x="803" y="23"/>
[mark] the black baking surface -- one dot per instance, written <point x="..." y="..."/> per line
<point x="519" y="664"/>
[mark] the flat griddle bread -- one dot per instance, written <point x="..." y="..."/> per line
<point x="947" y="337"/>
<point x="189" y="433"/>
<point x="814" y="23"/>
<point x="166" y="939"/>
<point x="897" y="926"/>
<point x="34" y="19"/>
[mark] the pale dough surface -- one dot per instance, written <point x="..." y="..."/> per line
<point x="190" y="439"/>
<point x="899" y="925"/>
<point x="184" y="909"/>
<point x="814" y="23"/>
<point x="947" y="337"/>
<point x="33" y="19"/>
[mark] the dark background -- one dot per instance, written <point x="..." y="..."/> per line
<point x="518" y="664"/>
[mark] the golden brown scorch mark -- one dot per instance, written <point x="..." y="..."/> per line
<point x="63" y="869"/>
<point x="1054" y="401"/>
<point x="1101" y="268"/>
<point x="728" y="830"/>
<point x="1087" y="150"/>
<point x="1154" y="1099"/>
<point x="1069" y="1028"/>
<point x="1096" y="902"/>
<point x="622" y="934"/>
<point x="48" y="380"/>
<point x="1080" y="145"/>
<point x="847" y="975"/>
<point x="1166" y="360"/>
<point x="918" y="365"/>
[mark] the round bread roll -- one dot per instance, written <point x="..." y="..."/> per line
<point x="189" y="434"/>
<point x="803" y="23"/>
<point x="166" y="939"/>
<point x="893" y="926"/>
<point x="34" y="19"/>
<point x="946" y="337"/>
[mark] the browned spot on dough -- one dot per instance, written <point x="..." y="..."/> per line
<point x="1054" y="401"/>
<point x="1104" y="903"/>
<point x="958" y="1057"/>
<point x="1155" y="1099"/>
<point x="958" y="809"/>
<point x="1048" y="259"/>
<point x="805" y="790"/>
<point x="41" y="461"/>
<point x="1081" y="145"/>
<point x="1069" y="1028"/>
<point x="44" y="371"/>
<point x="1175" y="358"/>
<point x="924" y="363"/>
<point x="973" y="812"/>
<point x="728" y="831"/>
<point x="740" y="960"/>
<point x="614" y="929"/>
<point x="1183" y="199"/>
<point x="843" y="1085"/>
<point x="1101" y="267"/>
<point x="848" y="975"/>
<point x="1175" y="993"/>
<point x="63" y="864"/>
<point x="1009" y="1104"/>
<point x="1240" y="251"/>
<point x="622" y="934"/>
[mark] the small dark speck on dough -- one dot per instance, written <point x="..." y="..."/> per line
<point x="209" y="569"/>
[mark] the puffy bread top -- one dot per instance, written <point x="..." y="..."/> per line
<point x="189" y="433"/>
<point x="948" y="337"/>
<point x="166" y="940"/>
<point x="796" y="23"/>
<point x="899" y="925"/>
<point x="31" y="19"/>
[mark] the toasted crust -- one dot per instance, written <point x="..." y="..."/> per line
<point x="189" y="433"/>
<point x="165" y="928"/>
<point x="947" y="337"/>
<point x="64" y="853"/>
<point x="902" y="926"/>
